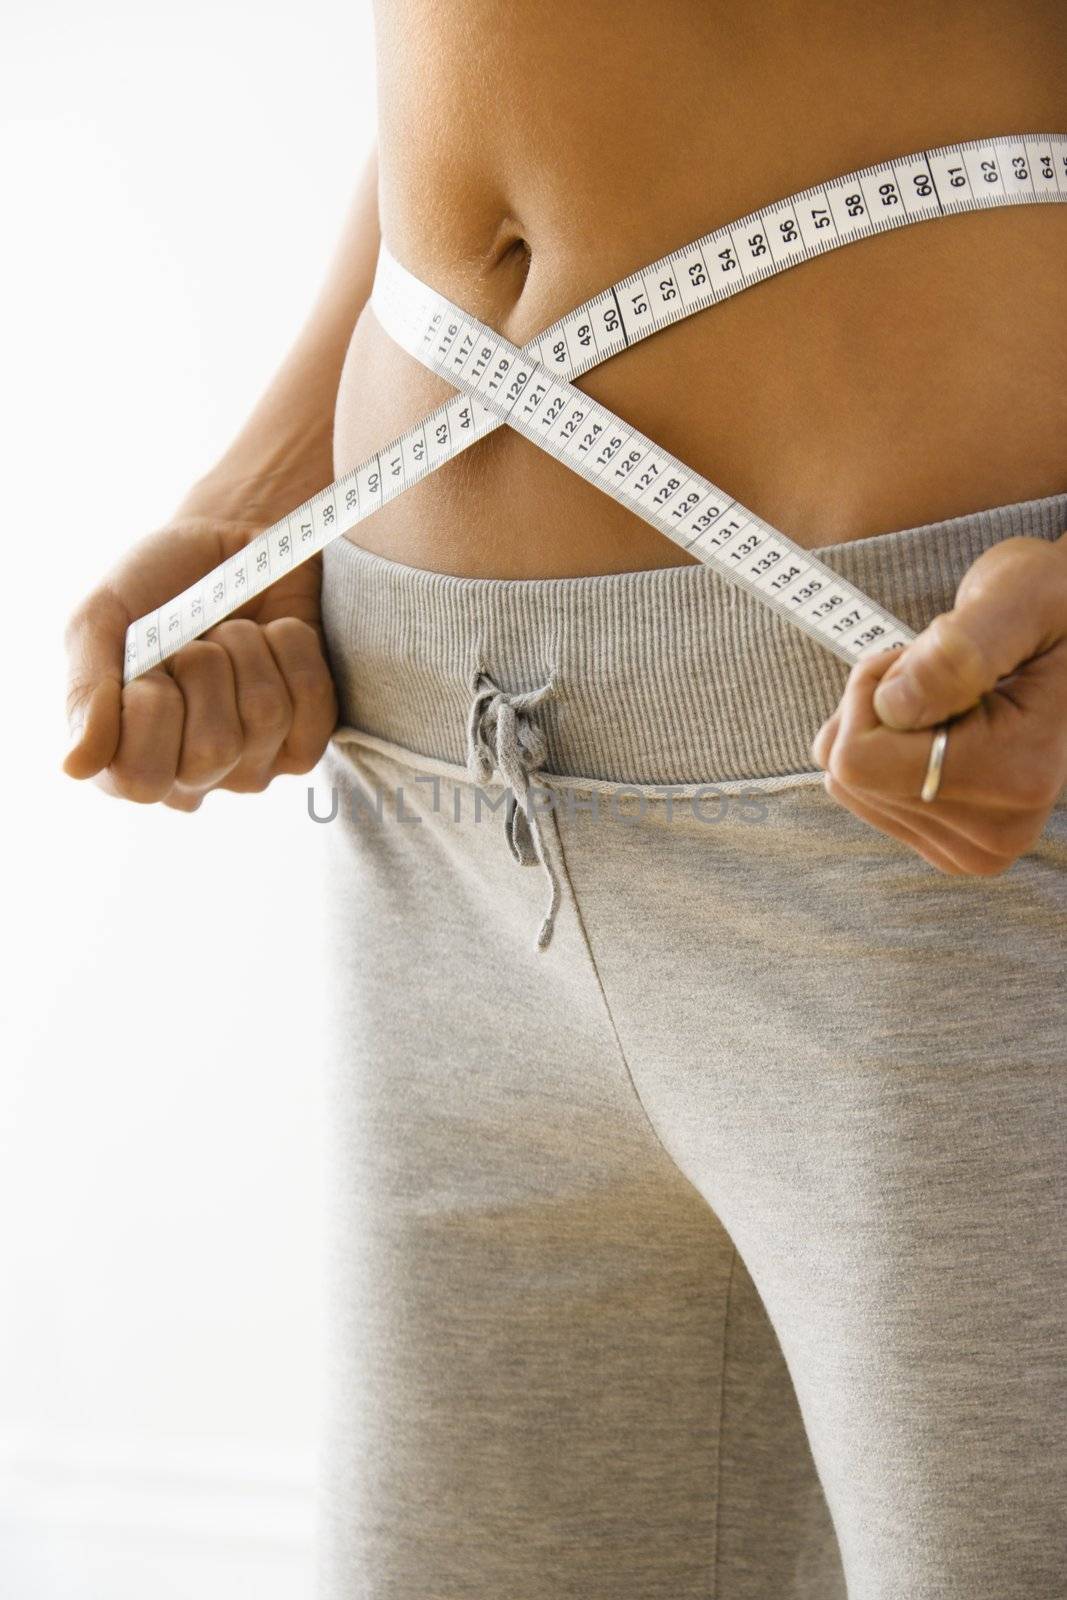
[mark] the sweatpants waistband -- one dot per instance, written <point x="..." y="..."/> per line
<point x="669" y="675"/>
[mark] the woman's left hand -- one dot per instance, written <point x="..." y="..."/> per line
<point x="998" y="663"/>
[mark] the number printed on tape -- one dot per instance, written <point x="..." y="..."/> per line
<point x="530" y="390"/>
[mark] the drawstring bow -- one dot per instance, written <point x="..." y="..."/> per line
<point x="502" y="737"/>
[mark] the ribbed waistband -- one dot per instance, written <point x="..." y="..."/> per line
<point x="668" y="675"/>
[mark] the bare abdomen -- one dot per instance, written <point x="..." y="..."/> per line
<point x="906" y="378"/>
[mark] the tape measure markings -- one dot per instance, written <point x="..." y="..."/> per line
<point x="1038" y="174"/>
<point x="786" y="212"/>
<point x="672" y="497"/>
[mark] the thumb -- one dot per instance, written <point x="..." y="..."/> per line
<point x="96" y="640"/>
<point x="1011" y="605"/>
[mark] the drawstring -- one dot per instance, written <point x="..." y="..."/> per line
<point x="502" y="737"/>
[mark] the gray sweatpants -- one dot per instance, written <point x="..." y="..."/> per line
<point x="714" y="1248"/>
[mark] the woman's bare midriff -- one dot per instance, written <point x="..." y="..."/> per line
<point x="530" y="155"/>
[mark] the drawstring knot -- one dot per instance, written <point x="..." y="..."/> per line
<point x="502" y="737"/>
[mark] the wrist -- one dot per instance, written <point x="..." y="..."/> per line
<point x="251" y="497"/>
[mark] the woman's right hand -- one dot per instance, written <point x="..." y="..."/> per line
<point x="250" y="699"/>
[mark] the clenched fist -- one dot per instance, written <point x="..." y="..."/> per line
<point x="249" y="700"/>
<point x="996" y="664"/>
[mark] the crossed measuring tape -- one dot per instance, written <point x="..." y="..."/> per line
<point x="530" y="390"/>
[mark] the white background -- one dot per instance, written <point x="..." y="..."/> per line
<point x="173" y="183"/>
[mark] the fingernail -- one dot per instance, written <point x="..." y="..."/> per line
<point x="77" y="728"/>
<point x="898" y="702"/>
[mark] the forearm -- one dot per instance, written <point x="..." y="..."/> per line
<point x="284" y="452"/>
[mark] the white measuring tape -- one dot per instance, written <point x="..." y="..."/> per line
<point x="530" y="390"/>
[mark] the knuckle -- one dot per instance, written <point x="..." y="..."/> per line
<point x="1020" y="552"/>
<point x="195" y="656"/>
<point x="292" y="630"/>
<point x="1033" y="567"/>
<point x="845" y="765"/>
<point x="140" y="784"/>
<point x="1020" y="549"/>
<point x="306" y="756"/>
<point x="253" y="784"/>
<point x="313" y="687"/>
<point x="209" y="755"/>
<point x="265" y="711"/>
<point x="953" y="653"/>
<point x="155" y="691"/>
<point x="224" y="751"/>
<point x="234" y="632"/>
<point x="869" y="666"/>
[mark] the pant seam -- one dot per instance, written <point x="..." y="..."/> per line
<point x="566" y="877"/>
<point x="654" y="792"/>
<point x="722" y="1424"/>
<point x="728" y="1300"/>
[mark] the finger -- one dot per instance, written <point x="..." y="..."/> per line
<point x="182" y="799"/>
<point x="823" y="741"/>
<point x="212" y="736"/>
<point x="997" y="758"/>
<point x="176" y="798"/>
<point x="933" y="844"/>
<point x="860" y="682"/>
<point x="979" y="841"/>
<point x="991" y="803"/>
<point x="95" y="640"/>
<point x="999" y="834"/>
<point x="1011" y="605"/>
<point x="150" y="737"/>
<point x="866" y="756"/>
<point x="298" y="652"/>
<point x="1039" y="687"/>
<point x="263" y="704"/>
<point x="859" y="752"/>
<point x="998" y="820"/>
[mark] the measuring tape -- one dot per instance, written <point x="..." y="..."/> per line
<point x="530" y="390"/>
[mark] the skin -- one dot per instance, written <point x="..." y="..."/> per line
<point x="998" y="662"/>
<point x="253" y="698"/>
<point x="912" y="377"/>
